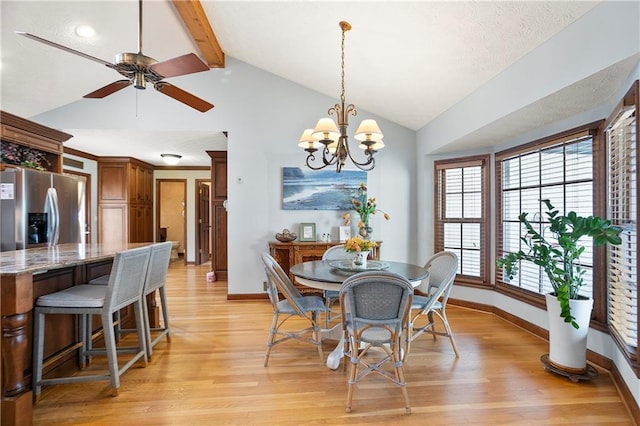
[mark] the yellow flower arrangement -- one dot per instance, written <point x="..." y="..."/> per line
<point x="357" y="244"/>
<point x="364" y="207"/>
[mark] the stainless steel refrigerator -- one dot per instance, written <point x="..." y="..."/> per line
<point x="39" y="209"/>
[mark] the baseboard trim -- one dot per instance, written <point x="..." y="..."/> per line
<point x="593" y="357"/>
<point x="247" y="296"/>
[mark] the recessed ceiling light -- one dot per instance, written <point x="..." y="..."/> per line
<point x="85" y="31"/>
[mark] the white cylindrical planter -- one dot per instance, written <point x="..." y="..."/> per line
<point x="567" y="345"/>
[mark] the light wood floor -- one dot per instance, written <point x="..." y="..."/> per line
<point x="212" y="374"/>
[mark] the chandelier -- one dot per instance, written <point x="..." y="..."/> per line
<point x="332" y="139"/>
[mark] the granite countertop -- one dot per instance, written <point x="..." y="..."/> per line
<point x="42" y="259"/>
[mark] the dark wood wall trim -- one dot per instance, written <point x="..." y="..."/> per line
<point x="248" y="296"/>
<point x="82" y="154"/>
<point x="182" y="167"/>
<point x="33" y="127"/>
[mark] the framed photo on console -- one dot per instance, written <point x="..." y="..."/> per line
<point x="345" y="233"/>
<point x="307" y="232"/>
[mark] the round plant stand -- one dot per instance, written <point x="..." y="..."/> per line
<point x="589" y="373"/>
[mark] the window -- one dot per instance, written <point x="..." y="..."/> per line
<point x="622" y="204"/>
<point x="461" y="202"/>
<point x="559" y="169"/>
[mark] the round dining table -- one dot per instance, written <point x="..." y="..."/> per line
<point x="329" y="275"/>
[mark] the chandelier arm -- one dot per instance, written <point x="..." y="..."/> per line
<point x="325" y="162"/>
<point x="327" y="158"/>
<point x="370" y="161"/>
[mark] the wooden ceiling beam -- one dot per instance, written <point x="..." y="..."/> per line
<point x="195" y="19"/>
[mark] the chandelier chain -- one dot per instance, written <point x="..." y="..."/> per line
<point x="342" y="98"/>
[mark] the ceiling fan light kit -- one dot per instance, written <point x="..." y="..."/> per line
<point x="332" y="139"/>
<point x="139" y="69"/>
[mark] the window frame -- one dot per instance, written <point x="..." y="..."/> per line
<point x="596" y="130"/>
<point x="632" y="98"/>
<point x="438" y="244"/>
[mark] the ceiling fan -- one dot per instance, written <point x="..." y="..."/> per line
<point x="140" y="69"/>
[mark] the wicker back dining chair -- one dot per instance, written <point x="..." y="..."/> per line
<point x="123" y="289"/>
<point x="375" y="311"/>
<point x="293" y="304"/>
<point x="442" y="268"/>
<point x="331" y="296"/>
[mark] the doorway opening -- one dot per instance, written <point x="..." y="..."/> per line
<point x="171" y="213"/>
<point x="203" y="221"/>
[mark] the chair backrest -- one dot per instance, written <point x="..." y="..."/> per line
<point x="158" y="266"/>
<point x="336" y="253"/>
<point x="442" y="268"/>
<point x="280" y="280"/>
<point x="127" y="277"/>
<point x="376" y="298"/>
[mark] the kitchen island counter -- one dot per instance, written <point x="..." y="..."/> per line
<point x="26" y="275"/>
<point x="42" y="259"/>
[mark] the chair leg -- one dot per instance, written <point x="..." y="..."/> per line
<point x="38" y="353"/>
<point x="141" y="329"/>
<point x="317" y="334"/>
<point x="272" y="336"/>
<point x="165" y="312"/>
<point x="353" y="372"/>
<point x="399" y="371"/>
<point x="432" y="323"/>
<point x="82" y="331"/>
<point x="147" y="328"/>
<point x="448" y="332"/>
<point x="110" y="348"/>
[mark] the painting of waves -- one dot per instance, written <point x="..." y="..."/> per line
<point x="319" y="189"/>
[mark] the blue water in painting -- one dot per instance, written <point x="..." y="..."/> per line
<point x="319" y="190"/>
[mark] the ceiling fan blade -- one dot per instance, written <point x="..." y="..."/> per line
<point x="65" y="48"/>
<point x="182" y="96"/>
<point x="108" y="89"/>
<point x="180" y="65"/>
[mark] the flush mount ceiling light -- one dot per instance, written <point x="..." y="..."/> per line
<point x="171" y="159"/>
<point x="332" y="139"/>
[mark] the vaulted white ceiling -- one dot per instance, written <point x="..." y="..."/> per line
<point x="405" y="61"/>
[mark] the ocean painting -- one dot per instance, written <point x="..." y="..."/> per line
<point x="319" y="189"/>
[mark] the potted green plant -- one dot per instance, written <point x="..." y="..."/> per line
<point x="558" y="254"/>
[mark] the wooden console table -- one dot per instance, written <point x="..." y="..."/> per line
<point x="289" y="254"/>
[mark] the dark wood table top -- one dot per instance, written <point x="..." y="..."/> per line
<point x="320" y="274"/>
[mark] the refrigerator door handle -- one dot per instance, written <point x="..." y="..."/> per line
<point x="52" y="198"/>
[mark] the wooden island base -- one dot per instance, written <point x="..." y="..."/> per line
<point x="26" y="275"/>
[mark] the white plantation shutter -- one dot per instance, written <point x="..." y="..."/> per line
<point x="461" y="214"/>
<point x="560" y="170"/>
<point x="623" y="211"/>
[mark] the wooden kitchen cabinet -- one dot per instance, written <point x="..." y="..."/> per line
<point x="28" y="134"/>
<point x="125" y="200"/>
<point x="289" y="254"/>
